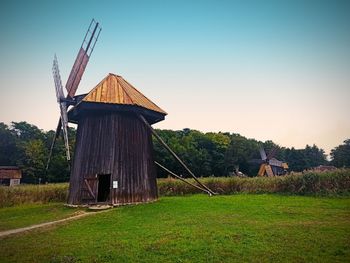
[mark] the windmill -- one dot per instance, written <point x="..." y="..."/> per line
<point x="72" y="84"/>
<point x="270" y="166"/>
<point x="113" y="158"/>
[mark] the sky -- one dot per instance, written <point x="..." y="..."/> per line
<point x="269" y="70"/>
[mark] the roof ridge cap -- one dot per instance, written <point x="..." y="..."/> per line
<point x="113" y="74"/>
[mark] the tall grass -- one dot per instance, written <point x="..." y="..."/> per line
<point x="21" y="194"/>
<point x="310" y="183"/>
<point x="316" y="183"/>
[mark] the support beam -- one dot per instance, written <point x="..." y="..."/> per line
<point x="174" y="154"/>
<point x="181" y="179"/>
<point x="55" y="137"/>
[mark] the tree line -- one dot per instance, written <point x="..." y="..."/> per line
<point x="207" y="154"/>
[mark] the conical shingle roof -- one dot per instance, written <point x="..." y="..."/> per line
<point x="113" y="89"/>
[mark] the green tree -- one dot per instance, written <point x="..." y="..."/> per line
<point x="217" y="150"/>
<point x="26" y="131"/>
<point x="8" y="146"/>
<point x="340" y="155"/>
<point x="205" y="154"/>
<point x="314" y="156"/>
<point x="34" y="162"/>
<point x="240" y="152"/>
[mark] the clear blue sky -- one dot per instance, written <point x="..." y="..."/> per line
<point x="276" y="70"/>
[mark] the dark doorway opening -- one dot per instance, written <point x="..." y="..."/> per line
<point x="104" y="185"/>
<point x="5" y="182"/>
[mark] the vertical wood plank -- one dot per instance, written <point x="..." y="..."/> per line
<point x="118" y="144"/>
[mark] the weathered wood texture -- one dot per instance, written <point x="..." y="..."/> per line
<point x="118" y="144"/>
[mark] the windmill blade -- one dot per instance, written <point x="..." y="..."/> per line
<point x="77" y="72"/>
<point x="64" y="121"/>
<point x="57" y="80"/>
<point x="262" y="153"/>
<point x="82" y="59"/>
<point x="63" y="106"/>
<point x="59" y="97"/>
<point x="275" y="162"/>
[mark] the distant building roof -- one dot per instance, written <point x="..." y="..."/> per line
<point x="113" y="89"/>
<point x="9" y="168"/>
<point x="10" y="172"/>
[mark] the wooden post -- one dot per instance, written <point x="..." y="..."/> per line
<point x="174" y="154"/>
<point x="182" y="179"/>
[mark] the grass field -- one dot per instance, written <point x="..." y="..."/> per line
<point x="236" y="228"/>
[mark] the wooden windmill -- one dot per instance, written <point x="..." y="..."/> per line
<point x="270" y="166"/>
<point x="113" y="159"/>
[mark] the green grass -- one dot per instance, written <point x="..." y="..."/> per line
<point x="30" y="214"/>
<point x="237" y="228"/>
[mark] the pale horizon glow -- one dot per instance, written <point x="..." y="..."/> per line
<point x="264" y="69"/>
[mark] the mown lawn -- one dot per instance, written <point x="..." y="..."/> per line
<point x="236" y="228"/>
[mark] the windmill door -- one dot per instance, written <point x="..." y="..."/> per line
<point x="89" y="190"/>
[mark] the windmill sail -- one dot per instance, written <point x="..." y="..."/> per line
<point x="62" y="103"/>
<point x="64" y="121"/>
<point x="77" y="72"/>
<point x="72" y="84"/>
<point x="276" y="162"/>
<point x="57" y="80"/>
<point x="82" y="58"/>
<point x="262" y="153"/>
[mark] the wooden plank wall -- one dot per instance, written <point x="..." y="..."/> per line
<point x="118" y="144"/>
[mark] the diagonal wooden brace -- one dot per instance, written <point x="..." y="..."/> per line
<point x="174" y="154"/>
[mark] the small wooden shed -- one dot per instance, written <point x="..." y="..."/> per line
<point x="10" y="175"/>
<point x="113" y="159"/>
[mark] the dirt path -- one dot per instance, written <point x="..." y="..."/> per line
<point x="28" y="228"/>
